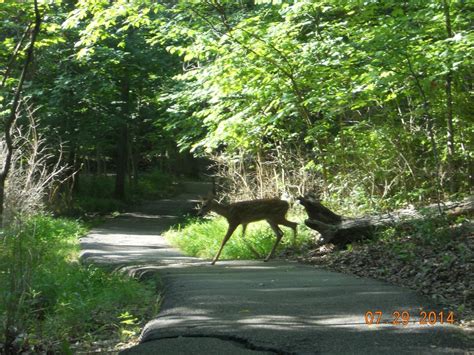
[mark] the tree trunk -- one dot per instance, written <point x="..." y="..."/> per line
<point x="449" y="105"/>
<point x="74" y="165"/>
<point x="135" y="157"/>
<point x="98" y="161"/>
<point x="341" y="230"/>
<point x="428" y="118"/>
<point x="122" y="141"/>
<point x="11" y="118"/>
<point x="9" y="65"/>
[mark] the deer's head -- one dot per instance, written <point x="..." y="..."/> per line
<point x="206" y="205"/>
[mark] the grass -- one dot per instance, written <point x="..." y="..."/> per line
<point x="50" y="301"/>
<point x="203" y="237"/>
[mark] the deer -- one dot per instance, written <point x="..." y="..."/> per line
<point x="245" y="212"/>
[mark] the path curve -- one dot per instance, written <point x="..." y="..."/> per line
<point x="250" y="307"/>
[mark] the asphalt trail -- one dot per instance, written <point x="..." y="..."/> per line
<point x="252" y="307"/>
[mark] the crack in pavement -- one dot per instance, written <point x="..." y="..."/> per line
<point x="241" y="342"/>
<point x="249" y="307"/>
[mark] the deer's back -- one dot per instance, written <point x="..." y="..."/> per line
<point x="256" y="210"/>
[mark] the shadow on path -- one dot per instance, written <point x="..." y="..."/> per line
<point x="244" y="307"/>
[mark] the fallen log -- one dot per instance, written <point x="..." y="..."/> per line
<point x="341" y="230"/>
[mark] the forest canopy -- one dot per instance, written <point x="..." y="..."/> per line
<point x="367" y="101"/>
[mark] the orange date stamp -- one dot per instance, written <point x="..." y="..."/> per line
<point x="403" y="318"/>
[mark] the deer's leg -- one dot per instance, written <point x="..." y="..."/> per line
<point x="244" y="228"/>
<point x="279" y="233"/>
<point x="252" y="249"/>
<point x="291" y="225"/>
<point x="230" y="230"/>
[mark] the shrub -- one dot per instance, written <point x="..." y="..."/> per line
<point x="49" y="300"/>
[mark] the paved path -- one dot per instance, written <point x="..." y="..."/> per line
<point x="251" y="307"/>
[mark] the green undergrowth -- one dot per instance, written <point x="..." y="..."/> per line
<point x="50" y="301"/>
<point x="203" y="237"/>
<point x="95" y="193"/>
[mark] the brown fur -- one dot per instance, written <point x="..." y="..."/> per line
<point x="245" y="212"/>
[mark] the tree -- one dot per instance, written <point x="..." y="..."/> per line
<point x="358" y="89"/>
<point x="16" y="101"/>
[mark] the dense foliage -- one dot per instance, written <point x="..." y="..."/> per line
<point x="49" y="301"/>
<point x="376" y="96"/>
<point x="372" y="101"/>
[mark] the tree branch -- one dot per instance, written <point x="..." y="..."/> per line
<point x="14" y="54"/>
